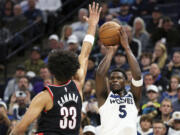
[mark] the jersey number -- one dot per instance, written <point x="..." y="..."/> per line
<point x="67" y="113"/>
<point x="122" y="111"/>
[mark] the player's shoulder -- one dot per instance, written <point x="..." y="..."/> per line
<point x="43" y="95"/>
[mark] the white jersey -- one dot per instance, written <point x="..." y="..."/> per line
<point x="118" y="115"/>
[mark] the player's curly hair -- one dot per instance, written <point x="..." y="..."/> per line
<point x="63" y="64"/>
<point x="119" y="70"/>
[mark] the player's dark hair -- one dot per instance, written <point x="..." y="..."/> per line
<point x="119" y="70"/>
<point x="63" y="64"/>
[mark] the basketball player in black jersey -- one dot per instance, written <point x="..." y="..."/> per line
<point x="59" y="105"/>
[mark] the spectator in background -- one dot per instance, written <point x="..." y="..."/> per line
<point x="152" y="105"/>
<point x="140" y="8"/>
<point x="49" y="10"/>
<point x="84" y="118"/>
<point x="173" y="67"/>
<point x="19" y="21"/>
<point x="13" y="83"/>
<point x="4" y="120"/>
<point x="125" y="17"/>
<point x="159" y="80"/>
<point x="89" y="89"/>
<point x="17" y="1"/>
<point x="89" y="130"/>
<point x="156" y="16"/>
<point x="32" y="14"/>
<point x="159" y="128"/>
<point x="140" y="33"/>
<point x="129" y="79"/>
<point x="45" y="76"/>
<point x="145" y="126"/>
<point x="104" y="13"/>
<point x="53" y="43"/>
<point x="167" y="32"/>
<point x="120" y="61"/>
<point x="134" y="44"/>
<point x="100" y="51"/>
<point x="114" y="7"/>
<point x="19" y="103"/>
<point x="5" y="34"/>
<point x="148" y="80"/>
<point x="65" y="33"/>
<point x="165" y="111"/>
<point x="160" y="55"/>
<point x="174" y="128"/>
<point x="16" y="24"/>
<point x="34" y="63"/>
<point x="129" y="2"/>
<point x="7" y="12"/>
<point x="73" y="44"/>
<point x="49" y="5"/>
<point x="176" y="104"/>
<point x="108" y="17"/>
<point x="80" y="27"/>
<point x="93" y="111"/>
<point x="145" y="62"/>
<point x="171" y="92"/>
<point x="91" y="68"/>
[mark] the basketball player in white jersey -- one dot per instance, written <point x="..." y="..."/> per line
<point x="117" y="107"/>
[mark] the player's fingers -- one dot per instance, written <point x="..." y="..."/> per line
<point x="120" y="31"/>
<point x="97" y="7"/>
<point x="90" y="9"/>
<point x="100" y="9"/>
<point x="85" y="18"/>
<point x="93" y="7"/>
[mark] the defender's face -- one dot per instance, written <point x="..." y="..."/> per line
<point x="116" y="81"/>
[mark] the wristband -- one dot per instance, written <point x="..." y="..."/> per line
<point x="137" y="83"/>
<point x="89" y="38"/>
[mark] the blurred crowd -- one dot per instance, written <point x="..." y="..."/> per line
<point x="153" y="29"/>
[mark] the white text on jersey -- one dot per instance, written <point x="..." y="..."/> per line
<point x="66" y="98"/>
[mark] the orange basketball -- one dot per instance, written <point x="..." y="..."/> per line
<point x="109" y="33"/>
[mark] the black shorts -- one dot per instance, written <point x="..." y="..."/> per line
<point x="47" y="133"/>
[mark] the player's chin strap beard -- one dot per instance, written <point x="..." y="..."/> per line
<point x="118" y="91"/>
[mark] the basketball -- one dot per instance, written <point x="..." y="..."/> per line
<point x="109" y="33"/>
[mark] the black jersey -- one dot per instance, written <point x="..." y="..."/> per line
<point x="65" y="116"/>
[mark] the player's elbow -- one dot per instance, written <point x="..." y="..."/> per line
<point x="137" y="75"/>
<point x="100" y="72"/>
<point x="18" y="130"/>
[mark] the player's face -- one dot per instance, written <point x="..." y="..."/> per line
<point x="116" y="81"/>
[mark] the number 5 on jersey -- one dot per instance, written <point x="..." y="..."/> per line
<point x="66" y="122"/>
<point x="122" y="110"/>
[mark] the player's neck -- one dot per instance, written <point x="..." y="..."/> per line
<point x="56" y="82"/>
<point x="122" y="93"/>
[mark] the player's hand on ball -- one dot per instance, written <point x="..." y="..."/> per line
<point x="94" y="13"/>
<point x="112" y="49"/>
<point x="123" y="38"/>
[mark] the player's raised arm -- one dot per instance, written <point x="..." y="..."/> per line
<point x="93" y="19"/>
<point x="137" y="81"/>
<point x="37" y="105"/>
<point x="101" y="74"/>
